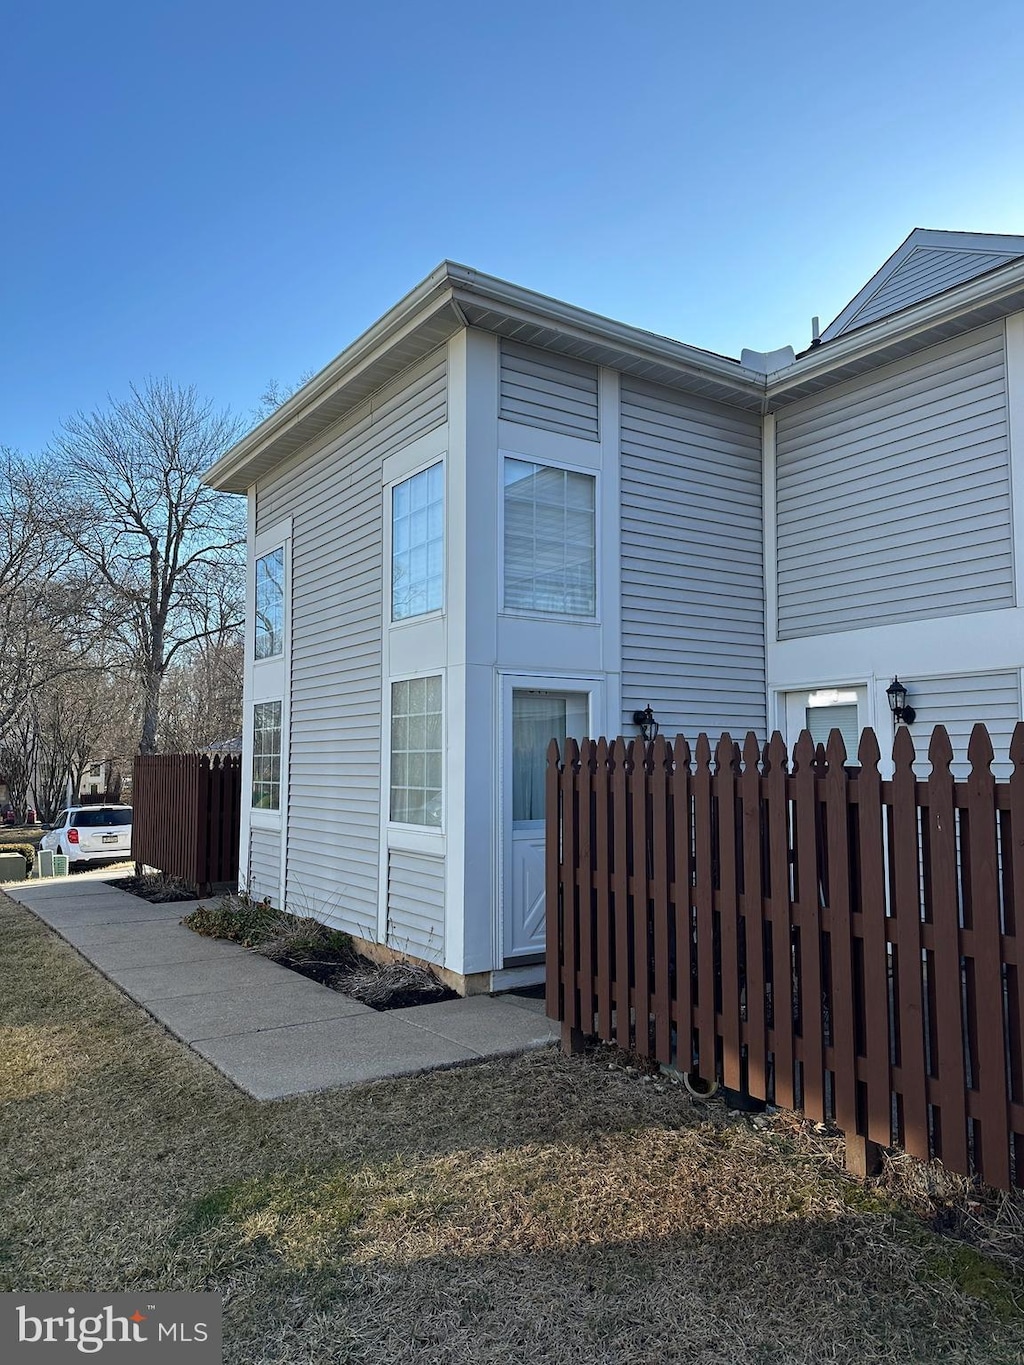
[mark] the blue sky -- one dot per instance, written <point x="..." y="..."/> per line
<point x="228" y="193"/>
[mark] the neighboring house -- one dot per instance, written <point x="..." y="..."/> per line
<point x="497" y="518"/>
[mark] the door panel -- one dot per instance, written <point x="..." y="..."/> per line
<point x="536" y="718"/>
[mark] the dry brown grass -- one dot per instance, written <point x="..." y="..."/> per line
<point x="546" y="1209"/>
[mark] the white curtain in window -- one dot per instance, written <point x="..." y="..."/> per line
<point x="536" y="721"/>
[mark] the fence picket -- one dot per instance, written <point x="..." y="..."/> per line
<point x="684" y="959"/>
<point x="908" y="971"/>
<point x="1012" y="849"/>
<point x="585" y="883"/>
<point x="659" y="897"/>
<point x="753" y="917"/>
<point x="703" y="896"/>
<point x="554" y="882"/>
<point x="841" y="982"/>
<point x="808" y="922"/>
<point x="951" y="1129"/>
<point x="620" y="757"/>
<point x="603" y="920"/>
<point x="641" y="903"/>
<point x="874" y="1007"/>
<point x="724" y="788"/>
<point x="991" y="1153"/>
<point x="779" y="913"/>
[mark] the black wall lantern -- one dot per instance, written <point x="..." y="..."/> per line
<point x="902" y="714"/>
<point x="647" y="724"/>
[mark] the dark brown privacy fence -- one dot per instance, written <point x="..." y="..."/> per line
<point x="187" y="813"/>
<point x="812" y="934"/>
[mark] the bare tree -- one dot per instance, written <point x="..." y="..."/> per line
<point x="275" y="393"/>
<point x="43" y="603"/>
<point x="139" y="517"/>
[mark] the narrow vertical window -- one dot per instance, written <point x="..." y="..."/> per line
<point x="417" y="544"/>
<point x="416" y="751"/>
<point x="550" y="540"/>
<point x="270" y="604"/>
<point x="266" y="756"/>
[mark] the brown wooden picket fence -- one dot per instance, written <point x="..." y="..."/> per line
<point x="811" y="934"/>
<point x="187" y="816"/>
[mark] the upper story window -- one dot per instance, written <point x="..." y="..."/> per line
<point x="550" y="540"/>
<point x="270" y="604"/>
<point x="417" y="544"/>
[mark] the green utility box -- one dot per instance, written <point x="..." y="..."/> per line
<point x="12" y="867"/>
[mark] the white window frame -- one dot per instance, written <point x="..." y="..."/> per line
<point x="257" y="561"/>
<point x="414" y="459"/>
<point x="268" y="679"/>
<point x="272" y="701"/>
<point x="414" y="837"/>
<point x="794" y="701"/>
<point x="389" y="520"/>
<point x="567" y="467"/>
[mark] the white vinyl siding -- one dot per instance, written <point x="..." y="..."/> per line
<point x="692" y="575"/>
<point x="416" y="904"/>
<point x="959" y="704"/>
<point x="264" y="865"/>
<point x="541" y="389"/>
<point x="927" y="271"/>
<point x="333" y="496"/>
<point x="893" y="494"/>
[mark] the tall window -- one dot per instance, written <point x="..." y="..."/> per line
<point x="550" y="540"/>
<point x="417" y="544"/>
<point x="270" y="604"/>
<point x="416" y="752"/>
<point x="266" y="756"/>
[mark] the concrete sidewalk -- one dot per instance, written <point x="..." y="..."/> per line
<point x="270" y="1031"/>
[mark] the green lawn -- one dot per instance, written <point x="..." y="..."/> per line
<point x="547" y="1209"/>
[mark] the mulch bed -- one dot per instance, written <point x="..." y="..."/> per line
<point x="157" y="890"/>
<point x="388" y="986"/>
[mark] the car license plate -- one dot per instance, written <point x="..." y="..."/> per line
<point x="110" y="838"/>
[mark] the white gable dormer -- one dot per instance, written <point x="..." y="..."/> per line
<point x="928" y="263"/>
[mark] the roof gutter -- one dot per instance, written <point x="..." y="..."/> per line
<point x="444" y="287"/>
<point x="428" y="295"/>
<point x="983" y="291"/>
<point x="584" y="325"/>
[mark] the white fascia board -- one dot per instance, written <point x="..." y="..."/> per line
<point x="430" y="296"/>
<point x="986" y="289"/>
<point x="239" y="467"/>
<point x="528" y="306"/>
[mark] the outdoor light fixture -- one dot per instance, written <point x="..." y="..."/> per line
<point x="902" y="714"/>
<point x="647" y="724"/>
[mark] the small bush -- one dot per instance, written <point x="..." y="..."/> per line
<point x="392" y="985"/>
<point x="156" y="888"/>
<point x="239" y="918"/>
<point x="300" y="943"/>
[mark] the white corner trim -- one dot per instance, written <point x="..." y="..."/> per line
<point x="770" y="543"/>
<point x="1015" y="431"/>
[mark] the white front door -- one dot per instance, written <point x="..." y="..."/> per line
<point x="537" y="717"/>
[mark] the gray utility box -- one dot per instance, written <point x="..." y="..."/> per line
<point x="12" y="867"/>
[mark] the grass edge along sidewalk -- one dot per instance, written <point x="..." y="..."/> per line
<point x="544" y="1208"/>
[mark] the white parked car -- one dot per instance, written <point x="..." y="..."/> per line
<point x="91" y="834"/>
